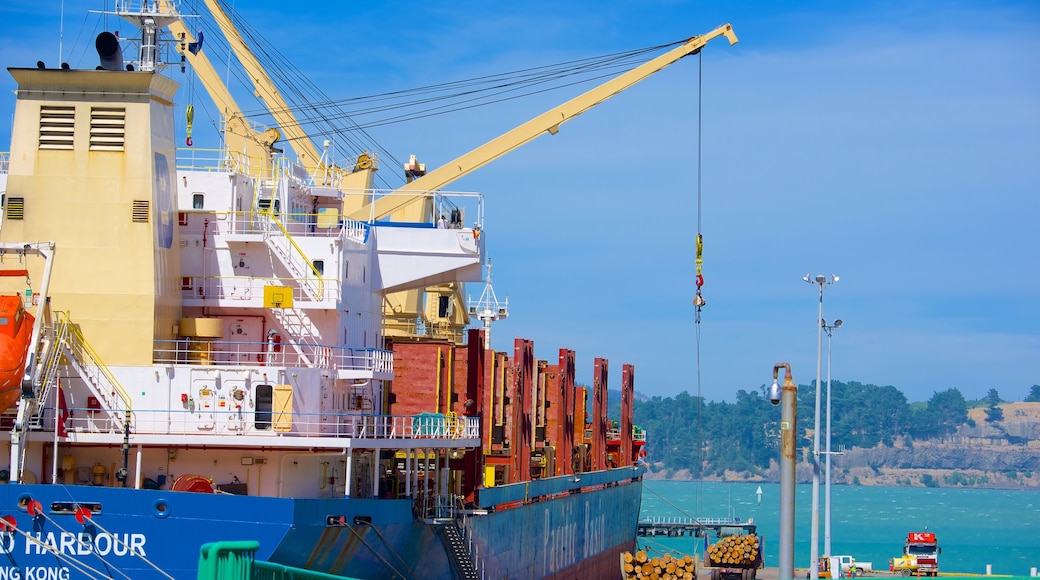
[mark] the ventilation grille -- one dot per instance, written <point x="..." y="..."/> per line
<point x="15" y="208"/>
<point x="107" y="128"/>
<point x="140" y="211"/>
<point x="56" y="127"/>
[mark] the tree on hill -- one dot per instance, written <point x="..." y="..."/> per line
<point x="993" y="398"/>
<point x="993" y="412"/>
<point x="1034" y="395"/>
<point x="941" y="416"/>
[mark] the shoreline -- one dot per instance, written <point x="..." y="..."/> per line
<point x="773" y="573"/>
<point x="683" y="475"/>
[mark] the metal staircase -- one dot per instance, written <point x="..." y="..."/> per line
<point x="283" y="246"/>
<point x="293" y="258"/>
<point x="458" y="553"/>
<point x="296" y="325"/>
<point x="66" y="345"/>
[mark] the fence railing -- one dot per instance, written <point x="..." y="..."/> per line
<point x="280" y="354"/>
<point x="195" y="419"/>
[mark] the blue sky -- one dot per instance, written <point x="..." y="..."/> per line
<point x="895" y="144"/>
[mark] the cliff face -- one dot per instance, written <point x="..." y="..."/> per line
<point x="931" y="455"/>
<point x="1002" y="453"/>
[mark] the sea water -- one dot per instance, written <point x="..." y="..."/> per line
<point x="974" y="527"/>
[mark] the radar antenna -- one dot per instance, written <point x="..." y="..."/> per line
<point x="488" y="309"/>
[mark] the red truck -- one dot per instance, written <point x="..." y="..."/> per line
<point x="920" y="556"/>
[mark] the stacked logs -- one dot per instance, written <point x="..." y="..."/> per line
<point x="666" y="567"/>
<point x="733" y="551"/>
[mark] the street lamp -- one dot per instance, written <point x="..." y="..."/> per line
<point x="827" y="495"/>
<point x="787" y="397"/>
<point x="814" y="551"/>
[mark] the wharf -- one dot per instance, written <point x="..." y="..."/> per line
<point x="675" y="527"/>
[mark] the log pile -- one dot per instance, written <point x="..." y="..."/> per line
<point x="666" y="567"/>
<point x="738" y="551"/>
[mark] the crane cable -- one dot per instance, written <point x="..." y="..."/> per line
<point x="698" y="299"/>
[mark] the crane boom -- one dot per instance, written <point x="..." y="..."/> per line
<point x="547" y="122"/>
<point x="268" y="92"/>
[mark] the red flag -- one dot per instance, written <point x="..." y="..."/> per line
<point x="63" y="413"/>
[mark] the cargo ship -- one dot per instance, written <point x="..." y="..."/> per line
<point x="216" y="346"/>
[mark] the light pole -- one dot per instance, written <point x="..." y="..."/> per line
<point x="788" y="398"/>
<point x="827" y="495"/>
<point x="814" y="550"/>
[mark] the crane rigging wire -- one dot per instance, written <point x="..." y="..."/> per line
<point x="698" y="502"/>
<point x="698" y="299"/>
<point x="323" y="116"/>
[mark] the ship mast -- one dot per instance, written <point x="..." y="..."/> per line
<point x="150" y="18"/>
<point x="488" y="309"/>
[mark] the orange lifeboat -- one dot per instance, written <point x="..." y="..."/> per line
<point x="15" y="334"/>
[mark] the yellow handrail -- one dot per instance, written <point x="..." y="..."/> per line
<point x="314" y="270"/>
<point x="81" y="342"/>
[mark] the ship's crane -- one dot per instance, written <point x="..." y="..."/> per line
<point x="412" y="202"/>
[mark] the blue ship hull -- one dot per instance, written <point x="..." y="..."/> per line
<point x="576" y="532"/>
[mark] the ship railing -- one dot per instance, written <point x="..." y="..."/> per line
<point x="214" y="160"/>
<point x="688" y="521"/>
<point x="273" y="354"/>
<point x="103" y="384"/>
<point x="216" y="415"/>
<point x="458" y="208"/>
<point x="141" y="7"/>
<point x="52" y="351"/>
<point x="293" y="172"/>
<point x="325" y="223"/>
<point x="246" y="288"/>
<point x="474" y="550"/>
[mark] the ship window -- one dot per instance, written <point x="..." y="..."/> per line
<point x="264" y="406"/>
<point x="443" y="306"/>
<point x="319" y="265"/>
<point x="15" y="208"/>
<point x="197" y="200"/>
